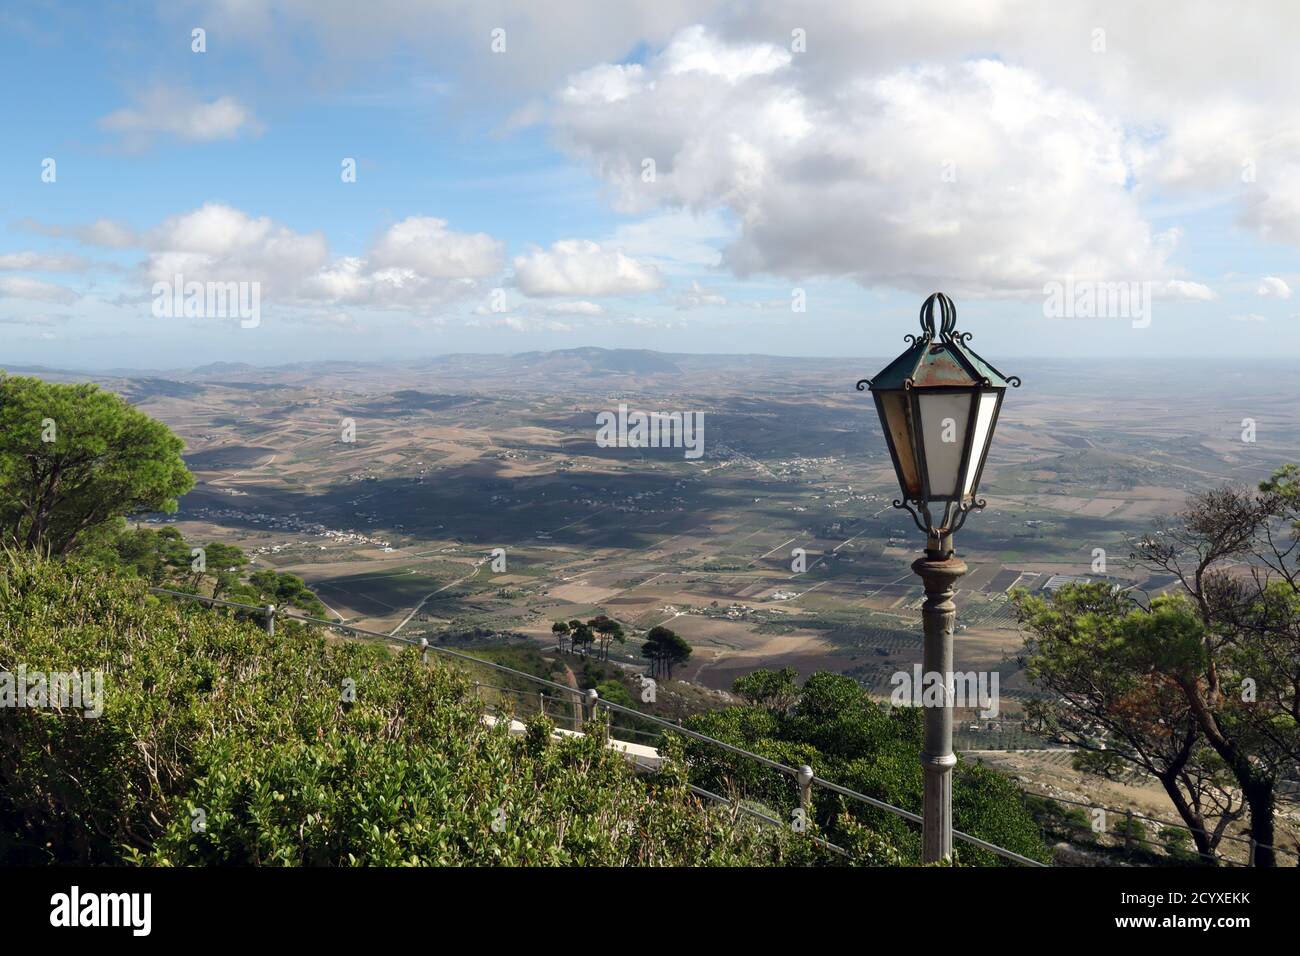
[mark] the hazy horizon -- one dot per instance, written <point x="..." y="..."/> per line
<point x="869" y="361"/>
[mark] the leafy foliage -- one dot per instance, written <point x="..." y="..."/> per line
<point x="665" y="650"/>
<point x="834" y="727"/>
<point x="1113" y="670"/>
<point x="221" y="744"/>
<point x="773" y="690"/>
<point x="1200" y="688"/>
<point x="73" y="458"/>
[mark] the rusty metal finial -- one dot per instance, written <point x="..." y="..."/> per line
<point x="947" y="316"/>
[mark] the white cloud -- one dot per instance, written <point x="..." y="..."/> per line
<point x="105" y="232"/>
<point x="697" y="297"/>
<point x="424" y="245"/>
<point x="1271" y="287"/>
<point x="23" y="287"/>
<point x="1182" y="289"/>
<point x="102" y="232"/>
<point x="542" y="45"/>
<point x="1253" y="317"/>
<point x="180" y="113"/>
<point x="1198" y="130"/>
<point x="978" y="175"/>
<point x="42" y="262"/>
<point x="217" y="242"/>
<point x="416" y="264"/>
<point x="585" y="268"/>
<point x="695" y="51"/>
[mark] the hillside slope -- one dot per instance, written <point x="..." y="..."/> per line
<point x="221" y="745"/>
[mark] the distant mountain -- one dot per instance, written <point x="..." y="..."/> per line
<point x="606" y="361"/>
<point x="142" y="389"/>
<point x="222" y="368"/>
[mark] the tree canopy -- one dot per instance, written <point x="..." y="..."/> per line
<point x="1200" y="687"/>
<point x="665" y="650"/>
<point x="74" y="457"/>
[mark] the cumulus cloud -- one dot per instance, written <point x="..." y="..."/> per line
<point x="218" y="243"/>
<point x="978" y="174"/>
<point x="584" y="268"/>
<point x="1271" y="287"/>
<point x="1216" y="134"/>
<point x="36" y="290"/>
<point x="424" y="245"/>
<point x="180" y="113"/>
<point x="415" y="264"/>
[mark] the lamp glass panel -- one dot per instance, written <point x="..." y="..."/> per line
<point x="944" y="416"/>
<point x="988" y="403"/>
<point x="894" y="418"/>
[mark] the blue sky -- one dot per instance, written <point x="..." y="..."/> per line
<point x="501" y="204"/>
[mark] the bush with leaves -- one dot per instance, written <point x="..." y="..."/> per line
<point x="222" y="745"/>
<point x="833" y="726"/>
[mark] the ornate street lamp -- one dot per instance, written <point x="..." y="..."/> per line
<point x="938" y="404"/>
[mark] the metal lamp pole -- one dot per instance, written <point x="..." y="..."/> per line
<point x="938" y="404"/>
<point x="938" y="571"/>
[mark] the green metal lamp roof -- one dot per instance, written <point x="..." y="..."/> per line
<point x="945" y="361"/>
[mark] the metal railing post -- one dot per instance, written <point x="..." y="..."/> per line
<point x="424" y="650"/>
<point x="589" y="698"/>
<point x="1128" y="831"/>
<point x="805" y="779"/>
<point x="541" y="702"/>
<point x="269" y="622"/>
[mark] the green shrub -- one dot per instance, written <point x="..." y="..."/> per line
<point x="219" y="744"/>
<point x="833" y="726"/>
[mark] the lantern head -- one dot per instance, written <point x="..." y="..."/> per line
<point x="938" y="404"/>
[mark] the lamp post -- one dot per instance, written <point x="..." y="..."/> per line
<point x="938" y="404"/>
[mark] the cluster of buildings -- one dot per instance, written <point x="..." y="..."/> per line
<point x="803" y="466"/>
<point x="275" y="522"/>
